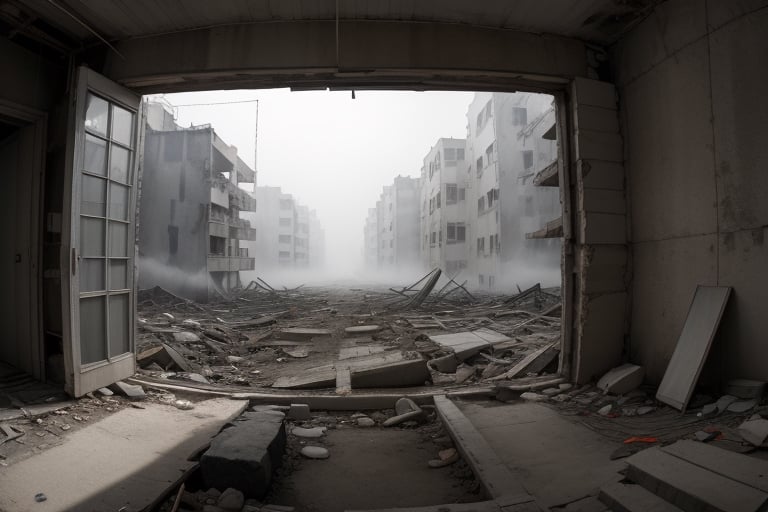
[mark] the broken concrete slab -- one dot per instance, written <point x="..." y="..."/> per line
<point x="245" y="455"/>
<point x="165" y="356"/>
<point x="185" y="337"/>
<point x="299" y="412"/>
<point x="313" y="378"/>
<point x="360" y="351"/>
<point x="302" y="334"/>
<point x="396" y="374"/>
<point x="622" y="379"/>
<point x="309" y="433"/>
<point x="362" y="329"/>
<point x="132" y="391"/>
<point x="469" y="343"/>
<point x="754" y="430"/>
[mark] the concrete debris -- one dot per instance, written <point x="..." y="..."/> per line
<point x="622" y="379"/>
<point x="131" y="391"/>
<point x="533" y="397"/>
<point x="184" y="405"/>
<point x="405" y="410"/>
<point x="365" y="422"/>
<point x="318" y="338"/>
<point x="754" y="430"/>
<point x="445" y="458"/>
<point x="315" y="452"/>
<point x="741" y="406"/>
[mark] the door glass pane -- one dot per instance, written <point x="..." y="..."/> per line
<point x="118" y="324"/>
<point x="93" y="346"/>
<point x="118" y="201"/>
<point x="91" y="237"/>
<point x="92" y="275"/>
<point x="95" y="155"/>
<point x="94" y="196"/>
<point x="118" y="239"/>
<point x="118" y="274"/>
<point x="122" y="125"/>
<point x="96" y="114"/>
<point x="119" y="164"/>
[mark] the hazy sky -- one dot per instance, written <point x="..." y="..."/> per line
<point x="332" y="152"/>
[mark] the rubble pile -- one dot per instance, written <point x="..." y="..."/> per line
<point x="325" y="338"/>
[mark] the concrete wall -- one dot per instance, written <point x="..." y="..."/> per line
<point x="175" y="194"/>
<point x="692" y="82"/>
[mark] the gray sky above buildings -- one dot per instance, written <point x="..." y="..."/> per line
<point x="332" y="152"/>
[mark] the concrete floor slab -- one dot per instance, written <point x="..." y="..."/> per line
<point x="125" y="460"/>
<point x="556" y="460"/>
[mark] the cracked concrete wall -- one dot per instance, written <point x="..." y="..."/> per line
<point x="691" y="79"/>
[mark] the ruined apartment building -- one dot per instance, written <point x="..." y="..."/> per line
<point x="191" y="233"/>
<point x="397" y="225"/>
<point x="505" y="149"/>
<point x="284" y="237"/>
<point x="370" y="240"/>
<point x="444" y="216"/>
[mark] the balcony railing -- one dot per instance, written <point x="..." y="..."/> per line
<point x="230" y="263"/>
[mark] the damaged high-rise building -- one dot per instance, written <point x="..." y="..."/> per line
<point x="191" y="236"/>
<point x="396" y="226"/>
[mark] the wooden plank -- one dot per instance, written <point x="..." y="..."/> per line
<point x="633" y="498"/>
<point x="691" y="487"/>
<point x="742" y="468"/>
<point x="693" y="345"/>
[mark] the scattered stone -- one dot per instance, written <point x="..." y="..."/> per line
<point x="231" y="499"/>
<point x="378" y="416"/>
<point x="192" y="323"/>
<point x="641" y="411"/>
<point x="213" y="493"/>
<point x="724" y="402"/>
<point x="169" y="317"/>
<point x="194" y="377"/>
<point x="606" y="410"/>
<point x="298" y="353"/>
<point x="309" y="433"/>
<point x="358" y="415"/>
<point x="235" y="359"/>
<point x="299" y="412"/>
<point x="186" y="337"/>
<point x="40" y="497"/>
<point x="464" y="372"/>
<point x="551" y="391"/>
<point x="565" y="386"/>
<point x="446" y="458"/>
<point x="705" y="437"/>
<point x="405" y="410"/>
<point x="129" y="390"/>
<point x="563" y="397"/>
<point x="105" y="392"/>
<point x="315" y="452"/>
<point x="184" y="405"/>
<point x="533" y="397"/>
<point x="365" y="422"/>
<point x="622" y="379"/>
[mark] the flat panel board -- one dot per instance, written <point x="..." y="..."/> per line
<point x="691" y="487"/>
<point x="633" y="498"/>
<point x="742" y="468"/>
<point x="693" y="345"/>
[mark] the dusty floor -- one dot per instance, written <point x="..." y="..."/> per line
<point x="371" y="468"/>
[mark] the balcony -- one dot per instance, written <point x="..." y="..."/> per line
<point x="230" y="264"/>
<point x="241" y="199"/>
<point x="244" y="233"/>
<point x="219" y="229"/>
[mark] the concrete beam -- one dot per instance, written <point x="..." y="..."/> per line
<point x="366" y="53"/>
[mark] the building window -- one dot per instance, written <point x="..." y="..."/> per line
<point x="481" y="204"/>
<point x="437" y="200"/>
<point x="451" y="193"/>
<point x="491" y="281"/>
<point x="284" y="239"/>
<point x="433" y="238"/>
<point x="527" y="159"/>
<point x="461" y="232"/>
<point x="519" y="116"/>
<point x="455" y="232"/>
<point x="479" y="165"/>
<point x="481" y="246"/>
<point x="459" y="153"/>
<point x="286" y="204"/>
<point x="489" y="151"/>
<point x="450" y="153"/>
<point x="285" y="221"/>
<point x="173" y="239"/>
<point x="481" y="279"/>
<point x="462" y="194"/>
<point x="479" y="121"/>
<point x="284" y="254"/>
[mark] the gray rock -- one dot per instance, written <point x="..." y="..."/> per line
<point x="605" y="410"/>
<point x="565" y="386"/>
<point x="365" y="422"/>
<point x="129" y="390"/>
<point x="533" y="397"/>
<point x="742" y="405"/>
<point x="235" y="359"/>
<point x="551" y="391"/>
<point x="315" y="452"/>
<point x="645" y="410"/>
<point x="405" y="405"/>
<point x="231" y="499"/>
<point x="309" y="433"/>
<point x="245" y="455"/>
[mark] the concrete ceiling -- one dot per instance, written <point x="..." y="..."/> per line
<point x="597" y="21"/>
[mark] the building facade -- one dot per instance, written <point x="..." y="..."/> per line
<point x="505" y="149"/>
<point x="444" y="217"/>
<point x="190" y="230"/>
<point x="397" y="231"/>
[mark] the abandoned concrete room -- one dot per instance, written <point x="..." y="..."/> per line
<point x="620" y="144"/>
